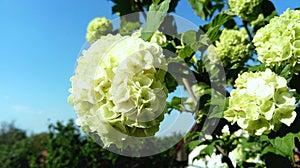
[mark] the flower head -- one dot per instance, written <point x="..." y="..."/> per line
<point x="279" y="41"/>
<point x="261" y="102"/>
<point x="246" y="9"/>
<point x="97" y="28"/>
<point x="233" y="47"/>
<point x="118" y="89"/>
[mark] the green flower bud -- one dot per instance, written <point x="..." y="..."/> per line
<point x="248" y="10"/>
<point x="97" y="28"/>
<point x="233" y="47"/>
<point x="157" y="37"/>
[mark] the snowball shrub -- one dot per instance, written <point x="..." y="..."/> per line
<point x="279" y="41"/>
<point x="233" y="47"/>
<point x="261" y="102"/>
<point x="97" y="28"/>
<point x="118" y="89"/>
<point x="248" y="10"/>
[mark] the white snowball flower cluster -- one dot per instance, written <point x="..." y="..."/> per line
<point x="215" y="160"/>
<point x="233" y="47"/>
<point x="239" y="154"/>
<point x="97" y="28"/>
<point x="261" y="102"/>
<point x="279" y="41"/>
<point x="118" y="89"/>
<point x="248" y="10"/>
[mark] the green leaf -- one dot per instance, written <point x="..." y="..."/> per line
<point x="263" y="138"/>
<point x="189" y="37"/>
<point x="194" y="39"/>
<point x="193" y="144"/>
<point x="156" y="1"/>
<point x="209" y="149"/>
<point x="283" y="71"/>
<point x="186" y="52"/>
<point x="268" y="8"/>
<point x="260" y="67"/>
<point x="171" y="82"/>
<point x="213" y="28"/>
<point x="206" y="9"/>
<point x="230" y="24"/>
<point x="283" y="145"/>
<point x="192" y="135"/>
<point x="155" y="18"/>
<point x="218" y="109"/>
<point x="198" y="8"/>
<point x="176" y="101"/>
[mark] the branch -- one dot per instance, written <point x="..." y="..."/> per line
<point x="190" y="91"/>
<point x="227" y="160"/>
<point x="247" y="29"/>
<point x="205" y="79"/>
<point x="180" y="110"/>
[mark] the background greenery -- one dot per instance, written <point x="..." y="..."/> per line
<point x="65" y="146"/>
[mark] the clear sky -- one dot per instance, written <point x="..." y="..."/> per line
<point x="39" y="43"/>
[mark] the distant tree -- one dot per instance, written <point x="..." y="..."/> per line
<point x="17" y="150"/>
<point x="67" y="147"/>
<point x="9" y="134"/>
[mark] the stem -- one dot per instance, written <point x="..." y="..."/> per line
<point x="227" y="160"/>
<point x="181" y="110"/>
<point x="190" y="91"/>
<point x="247" y="29"/>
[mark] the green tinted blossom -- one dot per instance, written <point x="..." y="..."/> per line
<point x="279" y="42"/>
<point x="157" y="37"/>
<point x="118" y="89"/>
<point x="97" y="28"/>
<point x="233" y="47"/>
<point x="261" y="102"/>
<point x="248" y="10"/>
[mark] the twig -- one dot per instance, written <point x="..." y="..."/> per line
<point x="191" y="93"/>
<point x="181" y="110"/>
<point x="227" y="160"/>
<point x="189" y="89"/>
<point x="247" y="29"/>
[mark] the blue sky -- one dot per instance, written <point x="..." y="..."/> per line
<point x="39" y="43"/>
